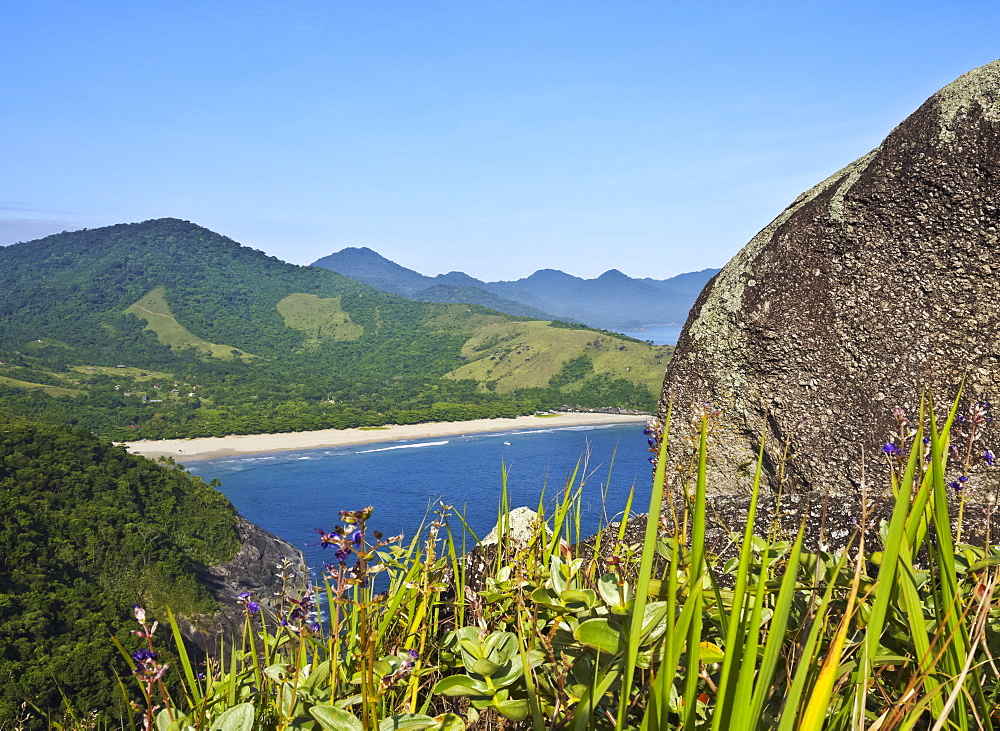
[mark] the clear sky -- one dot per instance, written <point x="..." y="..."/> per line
<point x="494" y="137"/>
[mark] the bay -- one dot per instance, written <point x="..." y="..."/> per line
<point x="659" y="334"/>
<point x="291" y="494"/>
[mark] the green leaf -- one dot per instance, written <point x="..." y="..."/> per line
<point x="515" y="710"/>
<point x="578" y="600"/>
<point x="460" y="685"/>
<point x="406" y="720"/>
<point x="334" y="719"/>
<point x="985" y="563"/>
<point x="657" y="589"/>
<point x="601" y="634"/>
<point x="485" y="667"/>
<point x="711" y="652"/>
<point x="277" y="672"/>
<point x="449" y="722"/>
<point x="545" y="597"/>
<point x="500" y="647"/>
<point x="237" y="718"/>
<point x="507" y="673"/>
<point x="608" y="588"/>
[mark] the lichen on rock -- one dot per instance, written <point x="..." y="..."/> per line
<point x="872" y="288"/>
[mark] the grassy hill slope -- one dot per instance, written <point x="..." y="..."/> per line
<point x="247" y="343"/>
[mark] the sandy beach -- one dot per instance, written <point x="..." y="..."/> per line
<point x="190" y="450"/>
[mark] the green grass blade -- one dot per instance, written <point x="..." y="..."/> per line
<point x="697" y="572"/>
<point x="808" y="658"/>
<point x="737" y="625"/>
<point x="642" y="580"/>
<point x="192" y="692"/>
<point x="775" y="635"/>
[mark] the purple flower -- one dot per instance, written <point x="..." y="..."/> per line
<point x="957" y="486"/>
<point x="963" y="478"/>
<point x="988" y="457"/>
<point x="356" y="538"/>
<point x="141" y="657"/>
<point x="341" y="553"/>
<point x="890" y="449"/>
<point x="253" y="607"/>
<point x="243" y="596"/>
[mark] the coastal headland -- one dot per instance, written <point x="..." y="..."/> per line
<point x="190" y="450"/>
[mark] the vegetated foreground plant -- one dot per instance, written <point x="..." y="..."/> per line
<point x="662" y="635"/>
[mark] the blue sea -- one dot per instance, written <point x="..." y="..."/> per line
<point x="660" y="335"/>
<point x="293" y="493"/>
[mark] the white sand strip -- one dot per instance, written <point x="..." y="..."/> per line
<point x="190" y="450"/>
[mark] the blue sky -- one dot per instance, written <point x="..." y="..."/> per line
<point x="495" y="137"/>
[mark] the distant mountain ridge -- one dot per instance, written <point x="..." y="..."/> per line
<point x="613" y="300"/>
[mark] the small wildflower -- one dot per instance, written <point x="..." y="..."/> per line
<point x="890" y="449"/>
<point x="963" y="478"/>
<point x="140" y="613"/>
<point x="327" y="539"/>
<point x="143" y="655"/>
<point x="988" y="457"/>
<point x="249" y="607"/>
<point x="956" y="486"/>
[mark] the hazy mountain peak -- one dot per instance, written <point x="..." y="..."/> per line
<point x="612" y="274"/>
<point x="612" y="300"/>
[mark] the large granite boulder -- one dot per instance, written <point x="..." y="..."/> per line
<point x="874" y="286"/>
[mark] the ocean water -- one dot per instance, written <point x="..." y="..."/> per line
<point x="293" y="493"/>
<point x="665" y="335"/>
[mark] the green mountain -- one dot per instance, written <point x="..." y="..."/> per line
<point x="86" y="531"/>
<point x="163" y="329"/>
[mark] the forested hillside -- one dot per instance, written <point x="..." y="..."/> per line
<point x="86" y="531"/>
<point x="166" y="329"/>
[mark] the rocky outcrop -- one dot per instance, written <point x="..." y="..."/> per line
<point x="267" y="567"/>
<point x="874" y="286"/>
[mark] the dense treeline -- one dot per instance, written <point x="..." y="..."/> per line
<point x="86" y="531"/>
<point x="236" y="398"/>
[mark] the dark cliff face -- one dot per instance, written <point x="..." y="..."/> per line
<point x="269" y="568"/>
<point x="874" y="286"/>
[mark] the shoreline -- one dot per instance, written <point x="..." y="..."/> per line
<point x="201" y="448"/>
